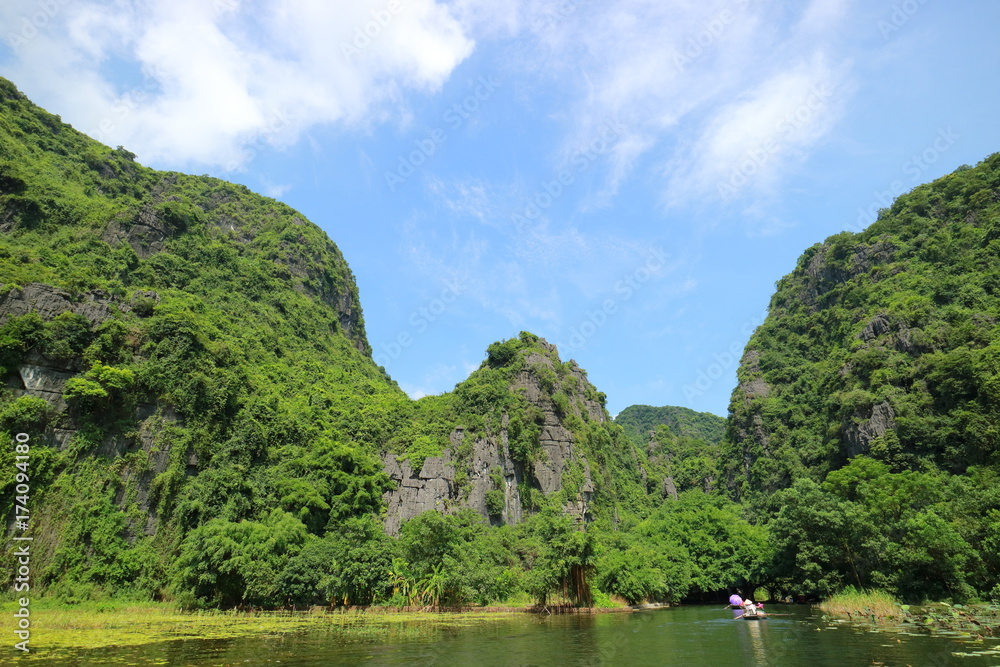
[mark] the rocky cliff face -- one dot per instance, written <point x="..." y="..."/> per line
<point x="46" y="377"/>
<point x="324" y="275"/>
<point x="481" y="472"/>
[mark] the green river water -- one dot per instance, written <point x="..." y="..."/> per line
<point x="696" y="635"/>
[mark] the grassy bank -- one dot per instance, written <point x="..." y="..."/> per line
<point x="880" y="608"/>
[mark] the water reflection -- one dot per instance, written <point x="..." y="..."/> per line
<point x="681" y="636"/>
<point x="755" y="630"/>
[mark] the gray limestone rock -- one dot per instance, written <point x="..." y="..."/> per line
<point x="48" y="302"/>
<point x="415" y="492"/>
<point x="490" y="467"/>
<point x="858" y="435"/>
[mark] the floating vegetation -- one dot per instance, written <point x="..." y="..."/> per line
<point x="971" y="625"/>
<point x="981" y="620"/>
<point x="91" y="626"/>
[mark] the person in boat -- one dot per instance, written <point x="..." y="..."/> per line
<point x="735" y="601"/>
<point x="749" y="608"/>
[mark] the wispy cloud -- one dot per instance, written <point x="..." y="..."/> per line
<point x="526" y="274"/>
<point x="751" y="142"/>
<point x="695" y="85"/>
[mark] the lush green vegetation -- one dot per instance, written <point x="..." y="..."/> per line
<point x="866" y="427"/>
<point x="221" y="428"/>
<point x="870" y="605"/>
<point x="231" y="319"/>
<point x="218" y="437"/>
<point x="681" y="447"/>
<point x="919" y="534"/>
<point x="639" y="422"/>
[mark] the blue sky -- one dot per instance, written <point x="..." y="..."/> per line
<point x="626" y="179"/>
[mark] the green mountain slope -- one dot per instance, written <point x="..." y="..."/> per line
<point x="884" y="343"/>
<point x="866" y="425"/>
<point x="180" y="350"/>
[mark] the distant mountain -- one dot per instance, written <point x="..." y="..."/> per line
<point x="639" y="421"/>
<point x="681" y="447"/>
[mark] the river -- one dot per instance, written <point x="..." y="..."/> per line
<point x="692" y="635"/>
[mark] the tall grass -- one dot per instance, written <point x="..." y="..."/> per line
<point x="865" y="604"/>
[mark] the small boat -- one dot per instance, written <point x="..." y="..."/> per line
<point x="752" y="612"/>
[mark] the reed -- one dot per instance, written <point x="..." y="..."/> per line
<point x="863" y="605"/>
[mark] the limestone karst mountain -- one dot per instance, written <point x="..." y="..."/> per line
<point x="183" y="351"/>
<point x="189" y="363"/>
<point x="884" y="343"/>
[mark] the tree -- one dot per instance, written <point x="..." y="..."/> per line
<point x="223" y="563"/>
<point x="561" y="557"/>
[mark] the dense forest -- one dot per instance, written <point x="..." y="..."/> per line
<point x="207" y="425"/>
<point x="865" y="429"/>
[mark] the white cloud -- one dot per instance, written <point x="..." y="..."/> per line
<point x="226" y="78"/>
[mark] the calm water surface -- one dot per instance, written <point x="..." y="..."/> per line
<point x="680" y="636"/>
